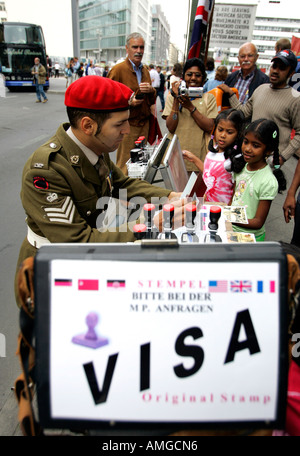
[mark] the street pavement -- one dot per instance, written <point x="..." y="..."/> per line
<point x="25" y="125"/>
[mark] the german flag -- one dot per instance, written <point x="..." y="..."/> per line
<point x="115" y="283"/>
<point x="63" y="282"/>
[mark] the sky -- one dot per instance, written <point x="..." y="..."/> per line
<point x="176" y="12"/>
<point x="27" y="11"/>
<point x="177" y="15"/>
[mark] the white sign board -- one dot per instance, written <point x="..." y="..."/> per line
<point x="232" y="25"/>
<point x="171" y="342"/>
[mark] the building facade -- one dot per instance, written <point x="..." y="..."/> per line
<point x="105" y="24"/>
<point x="160" y="38"/>
<point x="274" y="19"/>
<point x="3" y="13"/>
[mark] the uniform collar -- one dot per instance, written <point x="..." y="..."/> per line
<point x="90" y="155"/>
<point x="76" y="155"/>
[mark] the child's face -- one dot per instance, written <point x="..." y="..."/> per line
<point x="225" y="134"/>
<point x="254" y="151"/>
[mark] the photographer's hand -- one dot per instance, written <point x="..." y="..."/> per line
<point x="186" y="103"/>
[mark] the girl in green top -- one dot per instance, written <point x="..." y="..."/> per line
<point x="257" y="185"/>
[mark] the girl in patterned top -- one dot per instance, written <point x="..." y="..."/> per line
<point x="224" y="157"/>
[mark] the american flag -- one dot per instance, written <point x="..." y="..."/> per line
<point x="202" y="16"/>
<point x="217" y="286"/>
<point x="241" y="286"/>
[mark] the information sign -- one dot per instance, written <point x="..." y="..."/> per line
<point x="173" y="340"/>
<point x="232" y="25"/>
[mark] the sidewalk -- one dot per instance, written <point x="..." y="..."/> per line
<point x="57" y="85"/>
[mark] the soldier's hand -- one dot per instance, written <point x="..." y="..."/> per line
<point x="179" y="214"/>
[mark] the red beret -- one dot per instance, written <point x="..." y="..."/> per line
<point x="97" y="94"/>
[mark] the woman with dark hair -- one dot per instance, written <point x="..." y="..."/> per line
<point x="191" y="119"/>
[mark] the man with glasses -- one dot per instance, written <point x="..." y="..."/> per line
<point x="249" y="77"/>
<point x="276" y="101"/>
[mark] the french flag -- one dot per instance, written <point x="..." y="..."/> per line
<point x="202" y="16"/>
<point x="263" y="287"/>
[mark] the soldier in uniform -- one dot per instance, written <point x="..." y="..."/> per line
<point x="64" y="179"/>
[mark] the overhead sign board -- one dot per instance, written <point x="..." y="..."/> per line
<point x="232" y="25"/>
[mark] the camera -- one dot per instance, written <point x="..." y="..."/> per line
<point x="191" y="92"/>
<point x="139" y="95"/>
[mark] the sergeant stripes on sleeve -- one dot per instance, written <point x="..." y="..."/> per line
<point x="64" y="214"/>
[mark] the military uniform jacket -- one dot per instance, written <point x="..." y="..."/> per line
<point x="61" y="190"/>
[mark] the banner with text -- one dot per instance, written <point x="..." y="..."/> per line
<point x="232" y="25"/>
<point x="169" y="342"/>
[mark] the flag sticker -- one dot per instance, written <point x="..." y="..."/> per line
<point x="63" y="282"/>
<point x="217" y="286"/>
<point x="272" y="286"/>
<point x="241" y="286"/>
<point x="115" y="284"/>
<point x="261" y="288"/>
<point x="88" y="284"/>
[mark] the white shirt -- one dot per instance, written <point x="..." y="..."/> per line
<point x="155" y="79"/>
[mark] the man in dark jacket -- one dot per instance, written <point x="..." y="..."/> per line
<point x="249" y="77"/>
<point x="161" y="90"/>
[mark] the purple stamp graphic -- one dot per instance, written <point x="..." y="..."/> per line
<point x="90" y="339"/>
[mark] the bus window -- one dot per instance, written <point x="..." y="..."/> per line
<point x="20" y="43"/>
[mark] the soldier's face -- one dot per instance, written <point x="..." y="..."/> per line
<point x="135" y="50"/>
<point x="111" y="134"/>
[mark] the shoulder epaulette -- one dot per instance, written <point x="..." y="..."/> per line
<point x="40" y="158"/>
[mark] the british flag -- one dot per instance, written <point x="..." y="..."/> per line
<point x="241" y="286"/>
<point x="203" y="11"/>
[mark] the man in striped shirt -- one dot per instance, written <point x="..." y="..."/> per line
<point x="276" y="101"/>
<point x="249" y="77"/>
